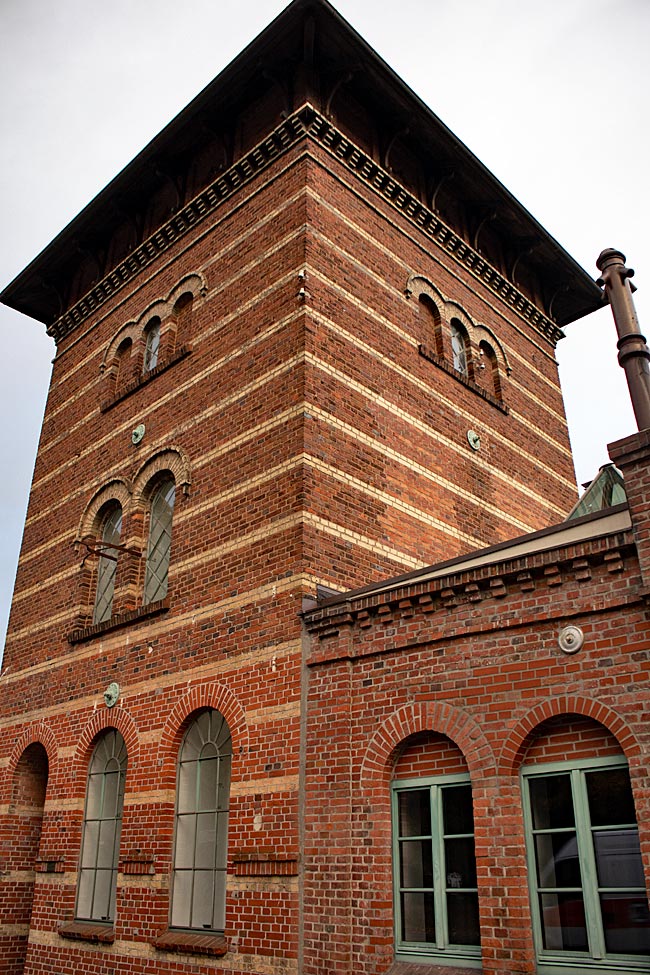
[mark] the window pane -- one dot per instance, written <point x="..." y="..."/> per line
<point x="563" y="922"/>
<point x="618" y="858"/>
<point x="203" y="901"/>
<point x="460" y="862"/>
<point x="90" y="840"/>
<point x="106" y="847"/>
<point x="206" y="839"/>
<point x="222" y="840"/>
<point x="102" y="899"/>
<point x="557" y="860"/>
<point x="457" y="809"/>
<point x="152" y="346"/>
<point x="85" y="893"/>
<point x="110" y="805"/>
<point x="181" y="900"/>
<point x="462" y="919"/>
<point x="219" y="901"/>
<point x="415" y="812"/>
<point x="208" y="783"/>
<point x="610" y="797"/>
<point x="417" y="917"/>
<point x="626" y="922"/>
<point x="416" y="867"/>
<point x="551" y="802"/>
<point x="187" y="786"/>
<point x="185" y="829"/>
<point x="107" y="566"/>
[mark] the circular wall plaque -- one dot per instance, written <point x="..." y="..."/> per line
<point x="571" y="639"/>
<point x="137" y="434"/>
<point x="473" y="440"/>
<point x="111" y="694"/>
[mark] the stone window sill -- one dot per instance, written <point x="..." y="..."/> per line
<point x="192" y="943"/>
<point x="145" y="378"/>
<point x="92" y="931"/>
<point x="79" y="634"/>
<point x="433" y="357"/>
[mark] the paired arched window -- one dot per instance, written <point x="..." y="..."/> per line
<point x="491" y="366"/>
<point x="201" y="836"/>
<point x="107" y="564"/>
<point x="160" y="541"/>
<point x="100" y="846"/>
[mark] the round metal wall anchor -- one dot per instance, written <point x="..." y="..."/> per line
<point x="137" y="434"/>
<point x="473" y="440"/>
<point x="111" y="694"/>
<point x="571" y="639"/>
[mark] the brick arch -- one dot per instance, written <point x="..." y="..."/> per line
<point x="35" y="734"/>
<point x="454" y="310"/>
<point x="116" y="490"/>
<point x="102" y="719"/>
<point x="129" y="331"/>
<point x="216" y="696"/>
<point x="195" y="283"/>
<point x="484" y="334"/>
<point x="418" y="285"/>
<point x="435" y="716"/>
<point x="172" y="459"/>
<point x="515" y="745"/>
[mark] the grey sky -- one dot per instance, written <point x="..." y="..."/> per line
<point x="553" y="97"/>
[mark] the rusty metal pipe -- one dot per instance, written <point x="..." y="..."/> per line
<point x="633" y="353"/>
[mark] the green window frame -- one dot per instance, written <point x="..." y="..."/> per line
<point x="102" y="827"/>
<point x="587" y="888"/>
<point x="160" y="542"/>
<point x="434" y="871"/>
<point x="198" y="899"/>
<point x="107" y="565"/>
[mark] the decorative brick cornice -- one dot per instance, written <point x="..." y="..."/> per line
<point x="264" y="863"/>
<point x="493" y="581"/>
<point x="305" y="123"/>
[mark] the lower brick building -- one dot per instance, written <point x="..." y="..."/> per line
<point x="477" y="777"/>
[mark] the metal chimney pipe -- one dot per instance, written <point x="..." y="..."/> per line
<point x="633" y="353"/>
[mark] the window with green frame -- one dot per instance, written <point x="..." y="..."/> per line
<point x="588" y="897"/>
<point x="434" y="870"/>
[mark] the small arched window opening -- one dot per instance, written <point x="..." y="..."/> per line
<point x="160" y="541"/>
<point x="152" y="345"/>
<point x="182" y="314"/>
<point x="100" y="848"/>
<point x="122" y="372"/>
<point x="107" y="564"/>
<point x="433" y="326"/>
<point x="201" y="841"/>
<point x="490" y="364"/>
<point x="459" y="348"/>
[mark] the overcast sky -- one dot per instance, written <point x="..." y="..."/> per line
<point x="552" y="96"/>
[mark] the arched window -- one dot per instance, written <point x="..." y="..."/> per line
<point x="100" y="847"/>
<point x="201" y="841"/>
<point x="491" y="366"/>
<point x="107" y="565"/>
<point x="459" y="348"/>
<point x="152" y="345"/>
<point x="433" y="324"/>
<point x="160" y="542"/>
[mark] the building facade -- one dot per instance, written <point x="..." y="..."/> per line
<point x="295" y="357"/>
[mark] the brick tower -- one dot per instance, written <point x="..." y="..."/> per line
<point x="304" y="340"/>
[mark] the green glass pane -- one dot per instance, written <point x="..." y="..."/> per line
<point x="462" y="918"/>
<point x="414" y="812"/>
<point x="618" y="858"/>
<point x="417" y="917"/>
<point x="551" y="802"/>
<point x="416" y="864"/>
<point x="558" y="864"/>
<point x="457" y="810"/>
<point x="460" y="862"/>
<point x="564" y="926"/>
<point x="610" y="797"/>
<point x="626" y="923"/>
